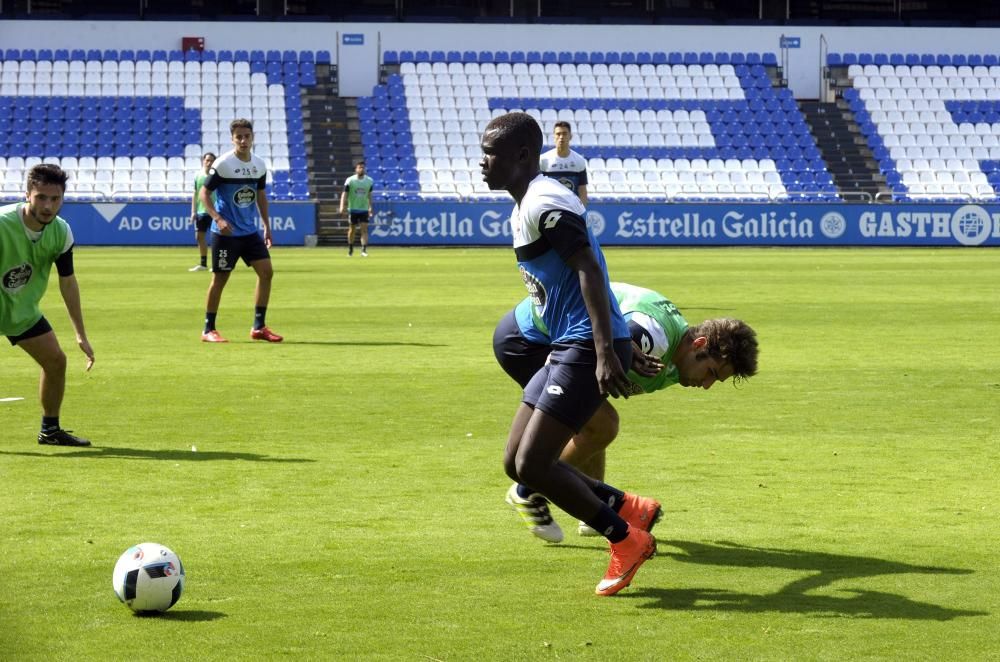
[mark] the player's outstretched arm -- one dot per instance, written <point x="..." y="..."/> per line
<point x="70" y="290"/>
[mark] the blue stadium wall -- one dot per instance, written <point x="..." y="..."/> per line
<point x="638" y="224"/>
<point x="357" y="49"/>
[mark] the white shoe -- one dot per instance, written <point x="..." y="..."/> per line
<point x="198" y="267"/>
<point x="364" y="253"/>
<point x="583" y="529"/>
<point x="535" y="512"/>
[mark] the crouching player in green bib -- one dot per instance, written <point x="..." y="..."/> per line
<point x="33" y="238"/>
<point x="693" y="356"/>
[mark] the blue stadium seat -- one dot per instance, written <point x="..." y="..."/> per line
<point x="896" y="59"/>
<point x="422" y="56"/>
<point x="438" y="56"/>
<point x="323" y="57"/>
<point x="453" y="56"/>
<point x="485" y="56"/>
<point x="61" y="54"/>
<point x="469" y="56"/>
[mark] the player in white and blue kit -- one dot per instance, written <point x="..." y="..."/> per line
<point x="566" y="276"/>
<point x="238" y="179"/>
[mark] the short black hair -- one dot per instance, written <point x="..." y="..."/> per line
<point x="46" y="173"/>
<point x="519" y="127"/>
<point x="212" y="154"/>
<point x="562" y="124"/>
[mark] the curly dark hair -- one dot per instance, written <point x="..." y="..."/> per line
<point x="731" y="341"/>
<point x="46" y="173"/>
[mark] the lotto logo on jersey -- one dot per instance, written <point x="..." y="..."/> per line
<point x="17" y="278"/>
<point x="244" y="197"/>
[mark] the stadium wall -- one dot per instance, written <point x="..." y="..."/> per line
<point x="619" y="224"/>
<point x="803" y="71"/>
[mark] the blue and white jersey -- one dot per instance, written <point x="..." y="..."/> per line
<point x="570" y="171"/>
<point x="236" y="183"/>
<point x="549" y="228"/>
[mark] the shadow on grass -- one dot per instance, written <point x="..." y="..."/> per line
<point x="172" y="455"/>
<point x="795" y="597"/>
<point x="192" y="615"/>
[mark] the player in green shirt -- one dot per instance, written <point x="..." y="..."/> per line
<point x="697" y="356"/>
<point x="357" y="198"/>
<point x="202" y="219"/>
<point x="33" y="238"/>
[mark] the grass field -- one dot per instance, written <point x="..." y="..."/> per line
<point x="340" y="496"/>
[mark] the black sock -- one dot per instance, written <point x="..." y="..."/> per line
<point x="524" y="491"/>
<point x="204" y="260"/>
<point x="50" y="423"/>
<point x="611" y="496"/>
<point x="210" y="321"/>
<point x="609" y="524"/>
<point x="259" y="312"/>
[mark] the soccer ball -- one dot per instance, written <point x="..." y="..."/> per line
<point x="148" y="577"/>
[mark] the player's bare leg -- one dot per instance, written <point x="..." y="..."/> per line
<point x="586" y="450"/>
<point x="47" y="353"/>
<point x="350" y="239"/>
<point x="213" y="299"/>
<point x="364" y="239"/>
<point x="262" y="295"/>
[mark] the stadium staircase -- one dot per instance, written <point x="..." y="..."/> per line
<point x="333" y="150"/>
<point x="847" y="156"/>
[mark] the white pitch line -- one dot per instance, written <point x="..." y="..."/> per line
<point x="10" y="399"/>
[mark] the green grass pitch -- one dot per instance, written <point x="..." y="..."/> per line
<point x="340" y="496"/>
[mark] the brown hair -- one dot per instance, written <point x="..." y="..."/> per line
<point x="46" y="173"/>
<point x="241" y="123"/>
<point x="731" y="341"/>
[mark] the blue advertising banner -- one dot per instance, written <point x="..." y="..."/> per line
<point x="736" y="224"/>
<point x="170" y="223"/>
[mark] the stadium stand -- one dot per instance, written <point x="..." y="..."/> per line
<point x="682" y="126"/>
<point x="132" y="125"/>
<point x="929" y="119"/>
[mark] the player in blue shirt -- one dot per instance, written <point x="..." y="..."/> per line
<point x="566" y="276"/>
<point x="238" y="179"/>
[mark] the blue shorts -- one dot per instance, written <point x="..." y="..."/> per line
<point x="40" y="328"/>
<point x="228" y="250"/>
<point x="566" y="386"/>
<point x="519" y="357"/>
